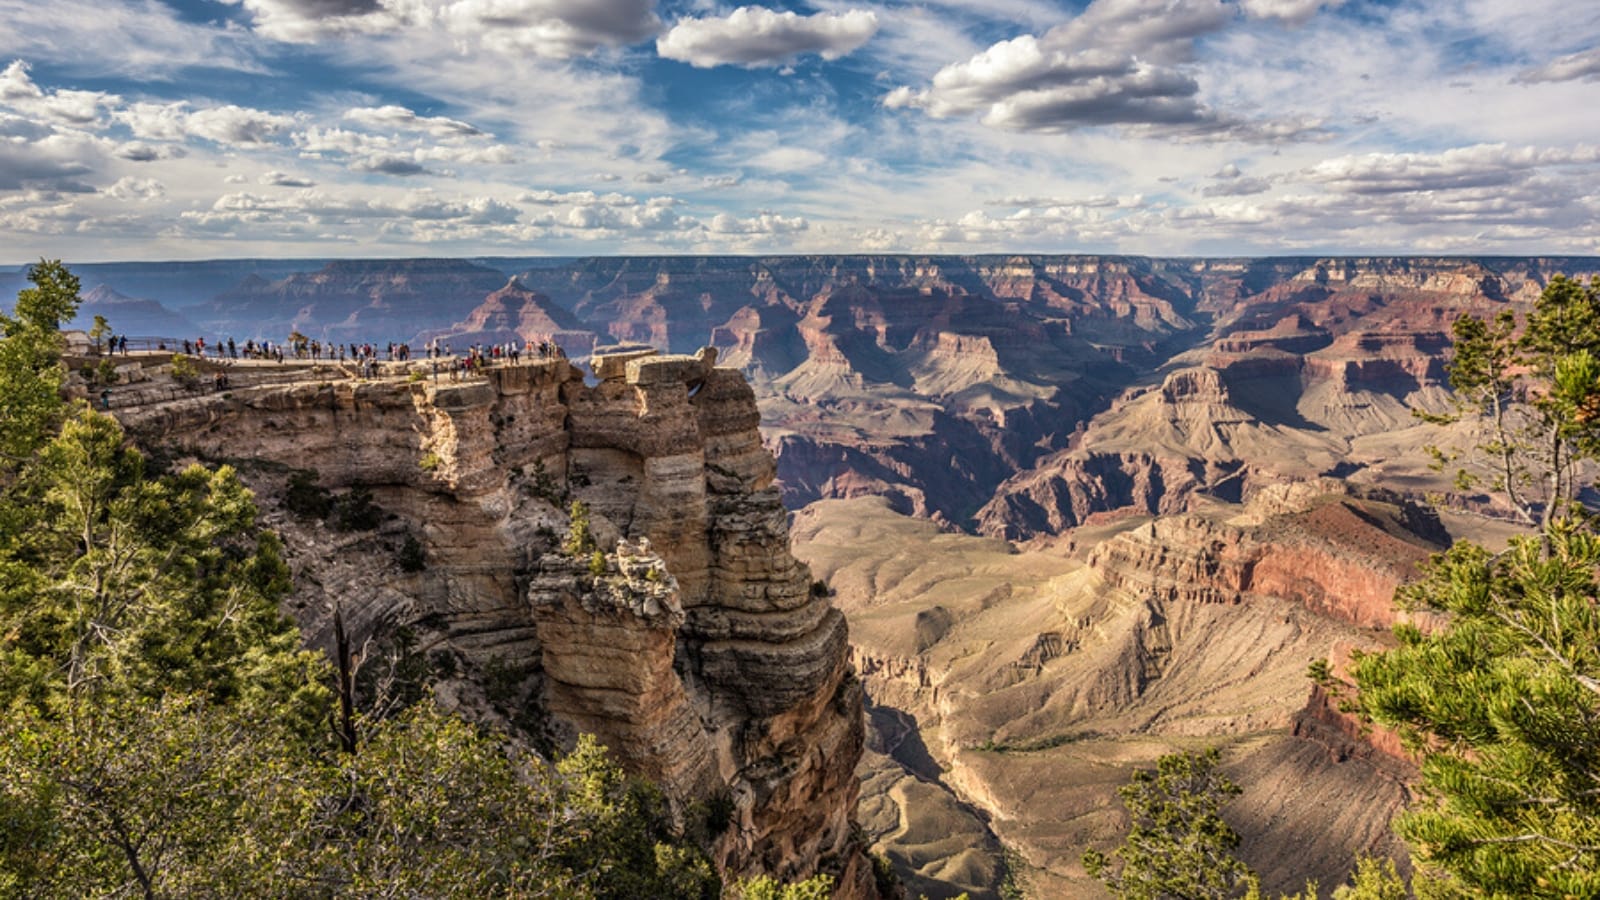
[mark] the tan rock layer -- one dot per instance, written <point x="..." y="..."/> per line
<point x="727" y="674"/>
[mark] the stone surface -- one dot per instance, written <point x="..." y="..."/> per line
<point x="698" y="651"/>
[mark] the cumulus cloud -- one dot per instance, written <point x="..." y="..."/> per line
<point x="1289" y="12"/>
<point x="139" y="151"/>
<point x="1119" y="63"/>
<point x="1584" y="66"/>
<point x="303" y="21"/>
<point x="554" y="28"/>
<point x="764" y="222"/>
<point x="400" y="118"/>
<point x="284" y="179"/>
<point x="130" y="188"/>
<point x="1463" y="168"/>
<point x="228" y="125"/>
<point x="18" y="91"/>
<point x="400" y="166"/>
<point x="755" y="36"/>
<point x="50" y="163"/>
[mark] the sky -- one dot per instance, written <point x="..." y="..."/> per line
<point x="193" y="129"/>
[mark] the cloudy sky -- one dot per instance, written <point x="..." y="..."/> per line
<point x="176" y="129"/>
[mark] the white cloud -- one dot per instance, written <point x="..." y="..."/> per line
<point x="1119" y="63"/>
<point x="761" y="223"/>
<point x="559" y="29"/>
<point x="305" y="21"/>
<point x="756" y="36"/>
<point x="1584" y="66"/>
<point x="1463" y="168"/>
<point x="284" y="179"/>
<point x="139" y="38"/>
<point x="400" y="118"/>
<point x="228" y="125"/>
<point x="47" y="162"/>
<point x="138" y="151"/>
<point x="18" y="91"/>
<point x="238" y="125"/>
<point x="130" y="188"/>
<point x="1289" y="12"/>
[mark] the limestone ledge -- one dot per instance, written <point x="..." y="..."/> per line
<point x="701" y="655"/>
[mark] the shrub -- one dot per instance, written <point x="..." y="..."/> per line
<point x="354" y="510"/>
<point x="411" y="556"/>
<point x="430" y="461"/>
<point x="305" y="498"/>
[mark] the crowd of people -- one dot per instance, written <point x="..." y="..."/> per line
<point x="365" y="355"/>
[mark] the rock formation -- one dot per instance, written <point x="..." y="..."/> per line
<point x="1018" y="690"/>
<point x="694" y="644"/>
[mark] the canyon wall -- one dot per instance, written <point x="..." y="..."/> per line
<point x="692" y="643"/>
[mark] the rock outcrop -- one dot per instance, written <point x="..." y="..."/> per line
<point x="692" y="643"/>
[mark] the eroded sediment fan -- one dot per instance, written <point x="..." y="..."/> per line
<point x="722" y="672"/>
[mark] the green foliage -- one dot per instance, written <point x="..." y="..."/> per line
<point x="430" y="461"/>
<point x="31" y="374"/>
<point x="99" y="330"/>
<point x="1504" y="706"/>
<point x="1373" y="879"/>
<point x="186" y="371"/>
<point x="1537" y="389"/>
<point x="1178" y="846"/>
<point x="580" y="542"/>
<point x="763" y="887"/>
<point x="113" y="582"/>
<point x="629" y="848"/>
<point x="544" y="485"/>
<point x="354" y="510"/>
<point x="304" y="497"/>
<point x="597" y="564"/>
<point x="411" y="557"/>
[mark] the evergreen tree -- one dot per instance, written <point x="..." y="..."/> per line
<point x="1178" y="846"/>
<point x="1537" y="390"/>
<point x="1503" y="706"/>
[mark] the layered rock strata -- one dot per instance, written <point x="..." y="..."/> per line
<point x="694" y="644"/>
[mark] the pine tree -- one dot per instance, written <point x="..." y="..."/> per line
<point x="1503" y="706"/>
<point x="1178" y="846"/>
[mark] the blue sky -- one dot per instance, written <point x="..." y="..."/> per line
<point x="175" y="129"/>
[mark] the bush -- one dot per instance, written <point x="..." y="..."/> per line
<point x="430" y="461"/>
<point x="305" y="498"/>
<point x="411" y="556"/>
<point x="597" y="564"/>
<point x="579" y="540"/>
<point x="186" y="371"/>
<point x="354" y="511"/>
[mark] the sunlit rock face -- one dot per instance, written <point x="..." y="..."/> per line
<point x="694" y="645"/>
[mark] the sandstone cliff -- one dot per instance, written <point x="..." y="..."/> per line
<point x="695" y="647"/>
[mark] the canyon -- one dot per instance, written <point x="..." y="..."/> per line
<point x="1078" y="511"/>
